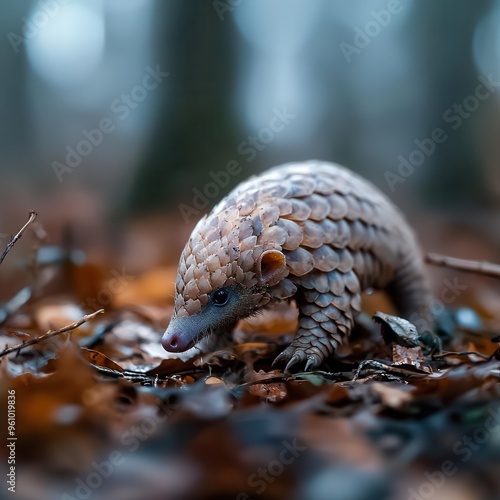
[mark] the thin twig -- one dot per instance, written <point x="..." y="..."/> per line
<point x="12" y="242"/>
<point x="134" y="376"/>
<point x="381" y="367"/>
<point x="475" y="266"/>
<point x="269" y="380"/>
<point x="487" y="357"/>
<point x="51" y="333"/>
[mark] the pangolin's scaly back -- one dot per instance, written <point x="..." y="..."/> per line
<point x="322" y="216"/>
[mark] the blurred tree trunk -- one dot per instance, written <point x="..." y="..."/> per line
<point x="443" y="41"/>
<point x="195" y="124"/>
<point x="15" y="105"/>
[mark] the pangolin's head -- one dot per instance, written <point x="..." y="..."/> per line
<point x="225" y="273"/>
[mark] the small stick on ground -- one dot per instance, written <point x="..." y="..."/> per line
<point x="12" y="242"/>
<point x="51" y="333"/>
<point x="487" y="357"/>
<point x="474" y="266"/>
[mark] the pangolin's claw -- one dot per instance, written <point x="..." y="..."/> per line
<point x="284" y="356"/>
<point x="299" y="355"/>
<point x="312" y="363"/>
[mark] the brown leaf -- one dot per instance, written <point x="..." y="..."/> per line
<point x="393" y="395"/>
<point x="171" y="367"/>
<point x="272" y="393"/>
<point x="396" y="329"/>
<point x="99" y="359"/>
<point x="155" y="286"/>
<point x="412" y="356"/>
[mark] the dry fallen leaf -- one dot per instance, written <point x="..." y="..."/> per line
<point x="396" y="329"/>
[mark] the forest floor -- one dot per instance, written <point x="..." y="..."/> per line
<point x="95" y="408"/>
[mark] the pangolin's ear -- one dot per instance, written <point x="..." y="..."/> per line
<point x="271" y="267"/>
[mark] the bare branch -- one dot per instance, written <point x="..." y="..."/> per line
<point x="51" y="333"/>
<point x="12" y="242"/>
<point x="474" y="266"/>
<point x="487" y="357"/>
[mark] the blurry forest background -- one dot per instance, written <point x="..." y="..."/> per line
<point x="361" y="89"/>
<point x="122" y="123"/>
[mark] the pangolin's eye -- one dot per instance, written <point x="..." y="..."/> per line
<point x="220" y="297"/>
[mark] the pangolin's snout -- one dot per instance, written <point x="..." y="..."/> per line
<point x="177" y="337"/>
<point x="170" y="342"/>
<point x="174" y="342"/>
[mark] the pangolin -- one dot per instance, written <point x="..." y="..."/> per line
<point x="314" y="232"/>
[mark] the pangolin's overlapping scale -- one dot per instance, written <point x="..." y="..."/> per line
<point x="325" y="258"/>
<point x="317" y="280"/>
<point x="309" y="308"/>
<point x="307" y="322"/>
<point x="332" y="312"/>
<point x="246" y="207"/>
<point x="346" y="260"/>
<point x="246" y="228"/>
<point x="338" y="206"/>
<point x="369" y="213"/>
<point x="336" y="284"/>
<point x="284" y="290"/>
<point x="360" y="265"/>
<point x="285" y="206"/>
<point x="248" y="244"/>
<point x="314" y="237"/>
<point x="269" y="215"/>
<point x="351" y="282"/>
<point x="370" y="237"/>
<point x="329" y="230"/>
<point x="359" y="234"/>
<point x="300" y="210"/>
<point x="246" y="259"/>
<point x="301" y="186"/>
<point x="324" y="185"/>
<point x="273" y="191"/>
<point x="324" y="299"/>
<point x="275" y="235"/>
<point x="300" y="261"/>
<point x="311" y="295"/>
<point x="356" y="303"/>
<point x="294" y="233"/>
<point x="342" y="302"/>
<point x="354" y="211"/>
<point x="335" y="234"/>
<point x="320" y="208"/>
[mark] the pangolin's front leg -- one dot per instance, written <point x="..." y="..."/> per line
<point x="327" y="307"/>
